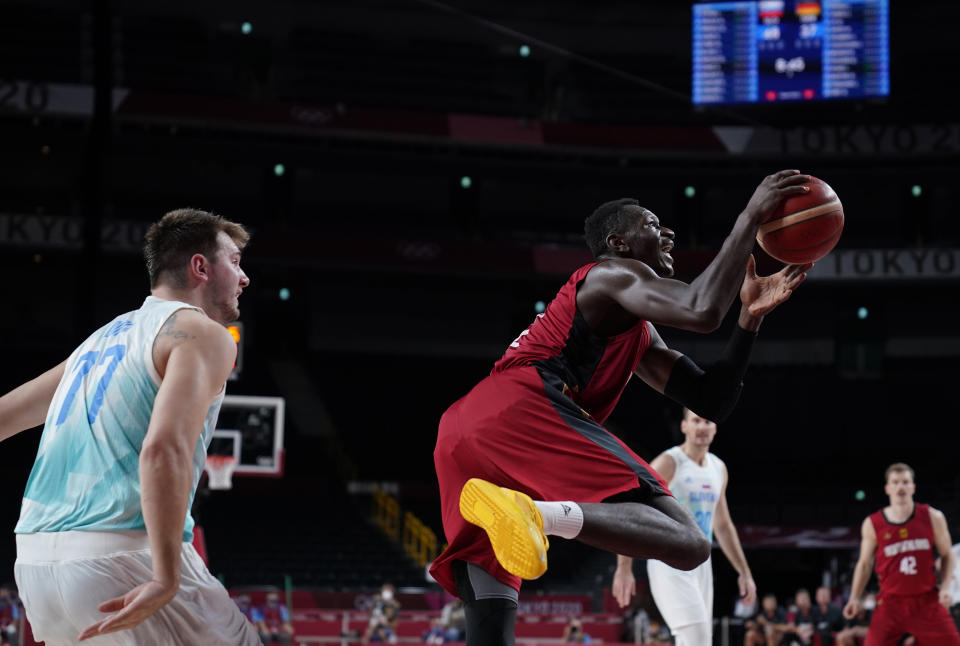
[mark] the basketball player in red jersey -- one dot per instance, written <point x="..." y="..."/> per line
<point x="902" y="537"/>
<point x="534" y="425"/>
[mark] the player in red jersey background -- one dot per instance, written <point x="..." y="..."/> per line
<point x="901" y="538"/>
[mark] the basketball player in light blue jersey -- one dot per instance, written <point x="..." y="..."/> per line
<point x="104" y="538"/>
<point x="698" y="480"/>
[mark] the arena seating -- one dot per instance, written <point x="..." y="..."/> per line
<point x="325" y="626"/>
<point x="349" y="553"/>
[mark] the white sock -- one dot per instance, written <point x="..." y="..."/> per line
<point x="563" y="519"/>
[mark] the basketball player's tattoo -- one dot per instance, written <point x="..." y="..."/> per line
<point x="169" y="328"/>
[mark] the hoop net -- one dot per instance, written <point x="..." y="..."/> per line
<point x="220" y="471"/>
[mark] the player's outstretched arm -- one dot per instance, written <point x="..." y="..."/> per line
<point x="196" y="367"/>
<point x="729" y="541"/>
<point x="26" y="406"/>
<point x="861" y="572"/>
<point x="701" y="305"/>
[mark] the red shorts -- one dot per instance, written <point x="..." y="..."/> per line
<point x="919" y="615"/>
<point x="517" y="429"/>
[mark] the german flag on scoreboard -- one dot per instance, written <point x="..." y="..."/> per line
<point x="808" y="9"/>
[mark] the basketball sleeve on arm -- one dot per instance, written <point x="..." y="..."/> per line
<point x="712" y="393"/>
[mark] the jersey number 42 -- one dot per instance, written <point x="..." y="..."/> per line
<point x="908" y="565"/>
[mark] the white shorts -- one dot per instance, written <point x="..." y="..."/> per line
<point x="682" y="597"/>
<point x="62" y="577"/>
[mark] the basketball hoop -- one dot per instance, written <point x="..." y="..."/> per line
<point x="220" y="471"/>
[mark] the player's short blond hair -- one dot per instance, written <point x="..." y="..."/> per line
<point x="899" y="467"/>
<point x="174" y="238"/>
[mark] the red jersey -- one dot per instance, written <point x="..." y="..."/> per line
<point x="904" y="557"/>
<point x="595" y="369"/>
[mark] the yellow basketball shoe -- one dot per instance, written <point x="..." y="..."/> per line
<point x="513" y="524"/>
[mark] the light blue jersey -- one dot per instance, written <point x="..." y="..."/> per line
<point x="697" y="487"/>
<point x="86" y="475"/>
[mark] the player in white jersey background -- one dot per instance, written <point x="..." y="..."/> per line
<point x="698" y="480"/>
<point x="104" y="538"/>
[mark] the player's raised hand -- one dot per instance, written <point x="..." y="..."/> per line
<point x="624" y="586"/>
<point x="761" y="294"/>
<point x="132" y="608"/>
<point x="771" y="192"/>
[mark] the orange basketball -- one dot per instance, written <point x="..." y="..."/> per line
<point x="805" y="227"/>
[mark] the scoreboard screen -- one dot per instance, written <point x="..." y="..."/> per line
<point x="770" y="51"/>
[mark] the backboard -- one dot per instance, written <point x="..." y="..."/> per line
<point x="251" y="430"/>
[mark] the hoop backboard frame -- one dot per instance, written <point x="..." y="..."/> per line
<point x="268" y="466"/>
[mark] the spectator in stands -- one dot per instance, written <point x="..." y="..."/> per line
<point x="436" y="634"/>
<point x="383" y="617"/>
<point x="379" y="633"/>
<point x="247" y="609"/>
<point x="386" y="606"/>
<point x="767" y="626"/>
<point x="800" y="621"/>
<point x="641" y="626"/>
<point x="11" y="613"/>
<point x="573" y="632"/>
<point x="827" y="617"/>
<point x="274" y="622"/>
<point x="648" y="627"/>
<point x="454" y="620"/>
<point x="857" y="627"/>
<point x="659" y="633"/>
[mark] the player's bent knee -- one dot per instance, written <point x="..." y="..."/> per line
<point x="695" y="550"/>
<point x="703" y="549"/>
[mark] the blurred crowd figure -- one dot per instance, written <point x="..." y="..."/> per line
<point x="450" y="626"/>
<point x="436" y="633"/>
<point x="275" y="626"/>
<point x="808" y="623"/>
<point x="649" y="628"/>
<point x="11" y="616"/>
<point x="453" y="618"/>
<point x="801" y="621"/>
<point x="573" y="632"/>
<point x="383" y="617"/>
<point x="272" y="620"/>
